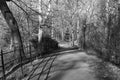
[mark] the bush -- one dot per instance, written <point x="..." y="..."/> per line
<point x="46" y="45"/>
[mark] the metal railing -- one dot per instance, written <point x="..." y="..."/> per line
<point x="10" y="63"/>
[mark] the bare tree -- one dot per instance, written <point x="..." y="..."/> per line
<point x="12" y="23"/>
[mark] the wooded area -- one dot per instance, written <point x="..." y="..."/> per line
<point x="85" y="24"/>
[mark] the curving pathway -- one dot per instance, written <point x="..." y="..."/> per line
<point x="81" y="66"/>
<point x="75" y="66"/>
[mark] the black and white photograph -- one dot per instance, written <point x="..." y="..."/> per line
<point x="59" y="39"/>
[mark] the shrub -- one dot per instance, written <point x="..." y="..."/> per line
<point x="45" y="46"/>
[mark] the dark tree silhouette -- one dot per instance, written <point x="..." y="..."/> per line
<point x="12" y="23"/>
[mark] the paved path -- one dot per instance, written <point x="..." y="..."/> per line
<point x="81" y="66"/>
<point x="74" y="66"/>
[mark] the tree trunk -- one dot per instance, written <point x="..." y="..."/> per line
<point x="12" y="23"/>
<point x="73" y="38"/>
<point x="108" y="38"/>
<point x="84" y="40"/>
<point x="78" y="35"/>
<point x="52" y="32"/>
<point x="40" y="20"/>
<point x="40" y="32"/>
<point x="11" y="42"/>
<point x="62" y="35"/>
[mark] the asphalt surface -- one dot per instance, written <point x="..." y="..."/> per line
<point x="74" y="65"/>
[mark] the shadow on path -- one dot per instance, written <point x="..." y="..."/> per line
<point x="72" y="67"/>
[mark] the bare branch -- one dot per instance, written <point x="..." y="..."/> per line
<point x="31" y="8"/>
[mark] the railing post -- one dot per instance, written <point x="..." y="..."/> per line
<point x="30" y="50"/>
<point x="3" y="66"/>
<point x="21" y="60"/>
<point x="30" y="54"/>
<point x="14" y="55"/>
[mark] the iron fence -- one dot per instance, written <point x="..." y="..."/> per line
<point x="10" y="64"/>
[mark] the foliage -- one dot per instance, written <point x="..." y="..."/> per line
<point x="93" y="22"/>
<point x="46" y="45"/>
